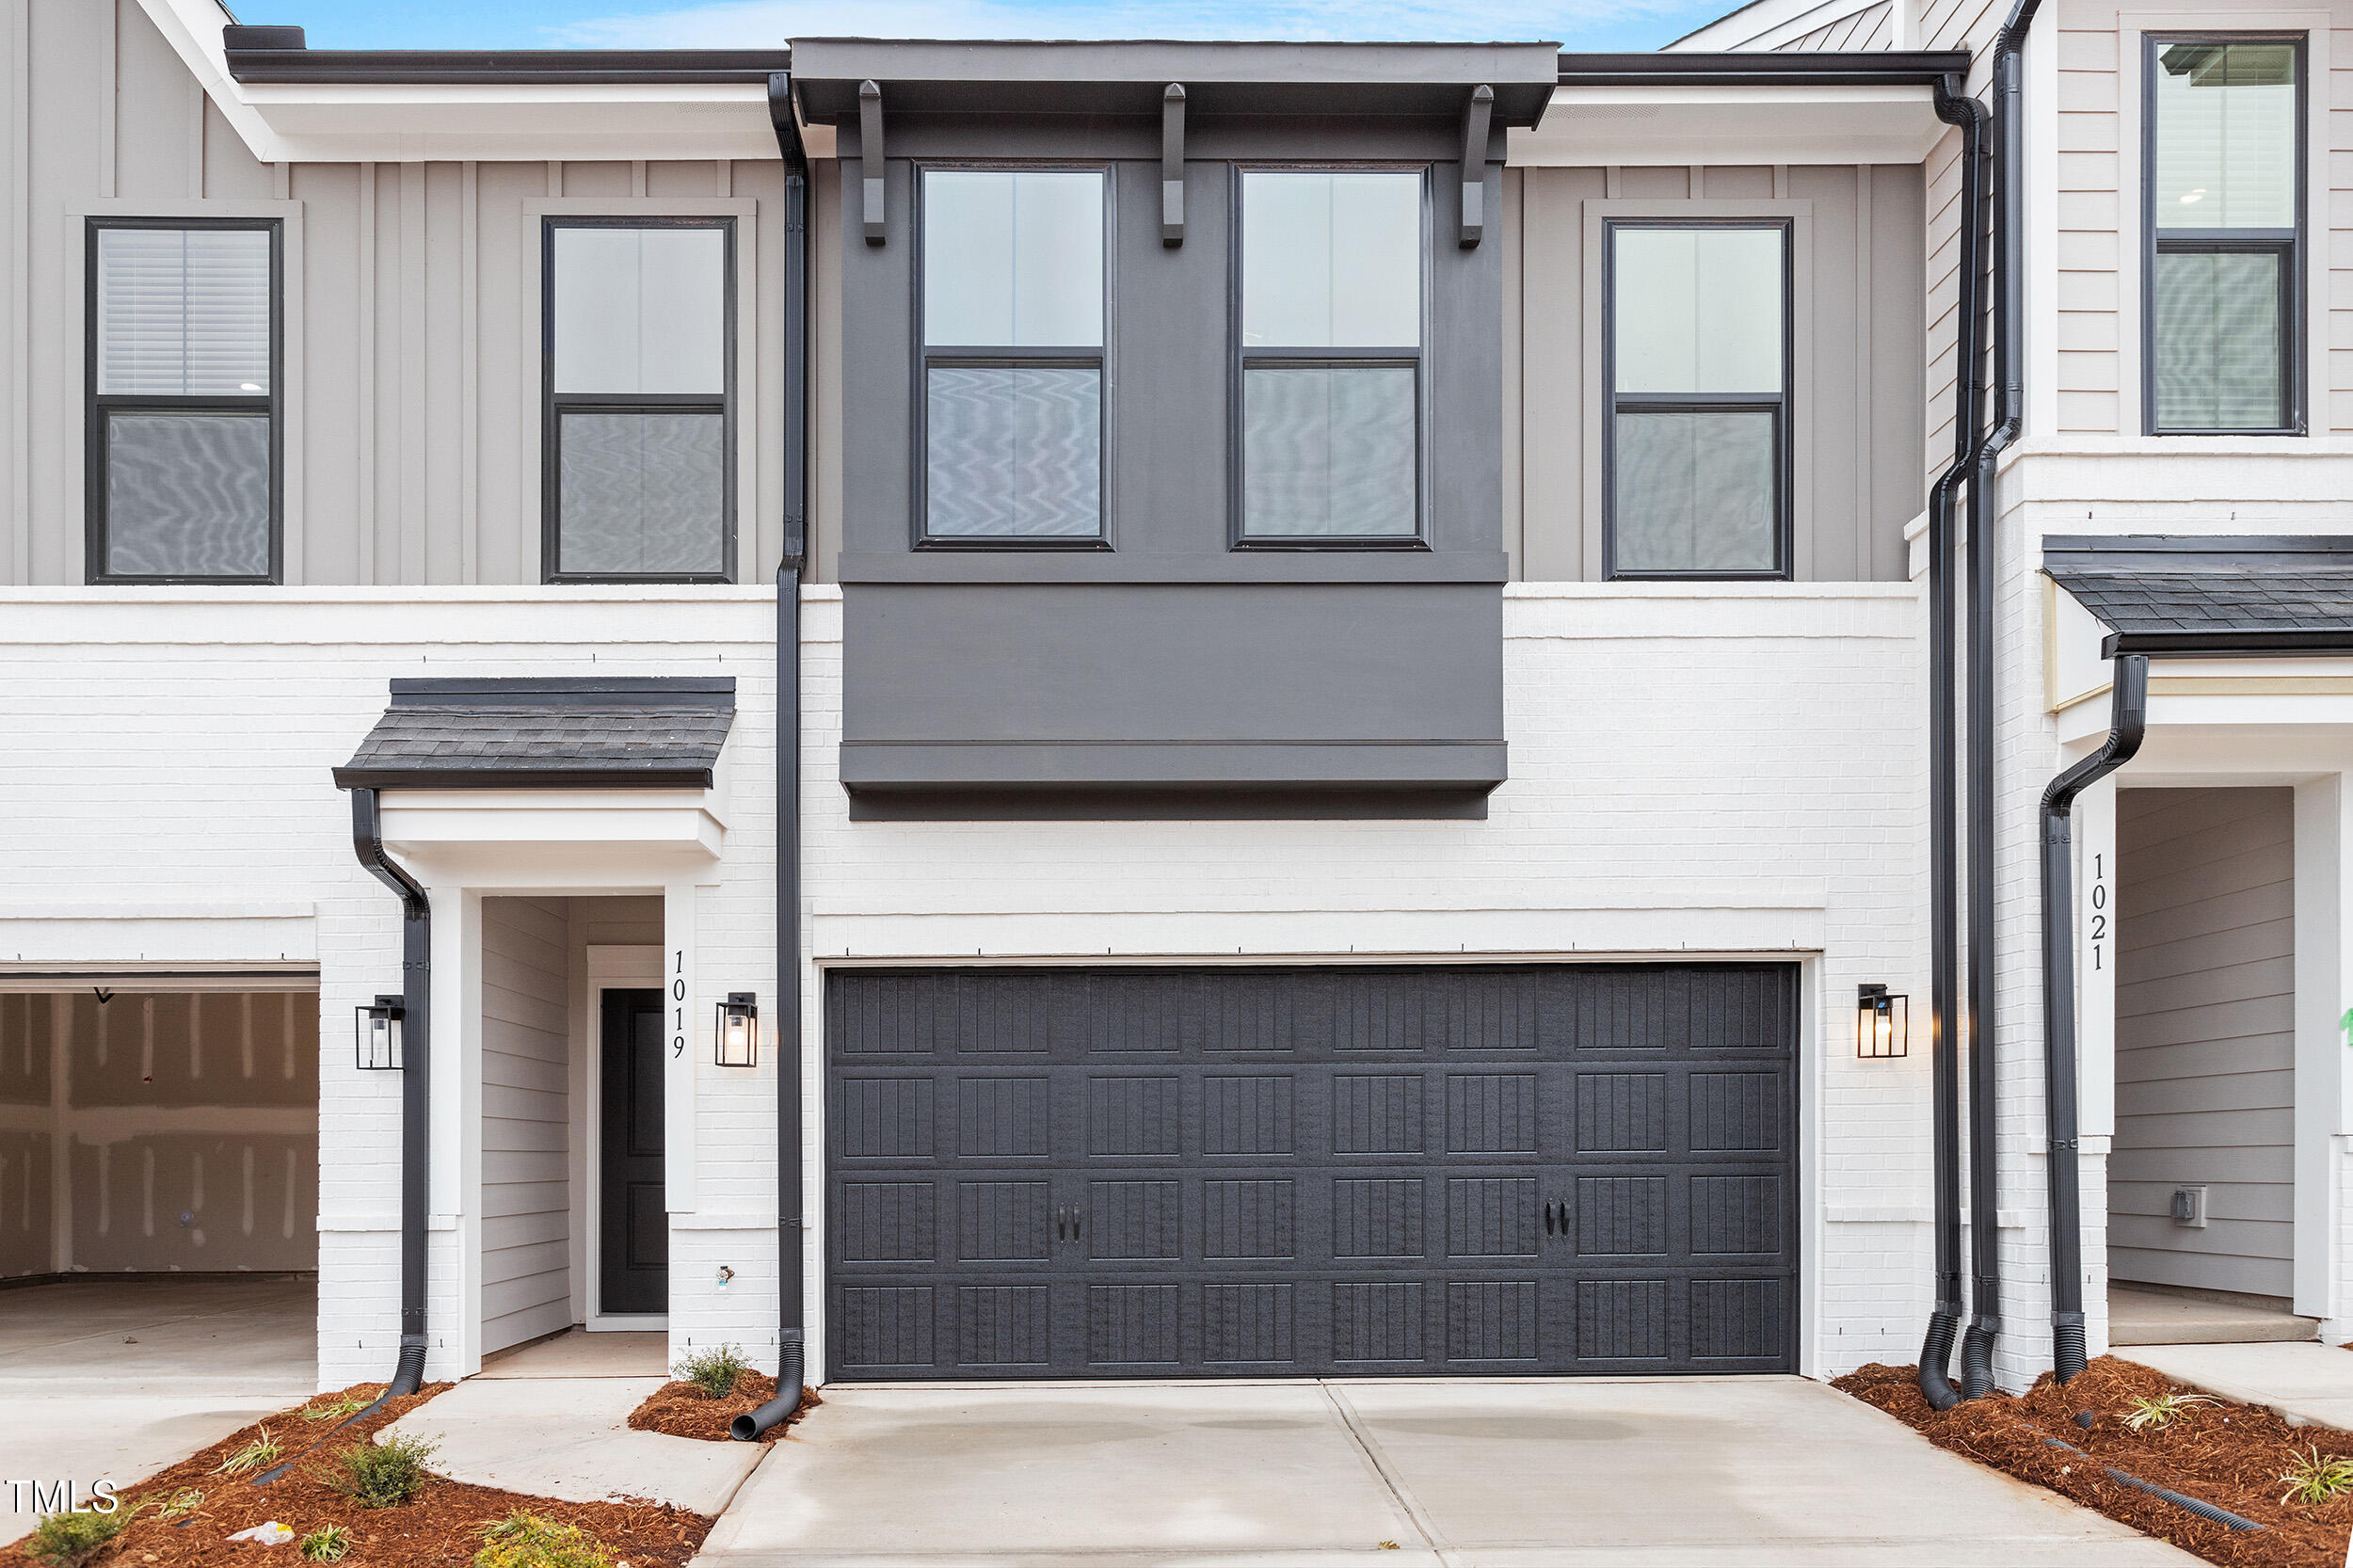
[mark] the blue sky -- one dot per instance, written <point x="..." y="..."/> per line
<point x="741" y="24"/>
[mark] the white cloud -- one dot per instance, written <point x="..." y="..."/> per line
<point x="752" y="23"/>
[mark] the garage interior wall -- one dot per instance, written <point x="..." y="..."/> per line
<point x="158" y="1132"/>
<point x="28" y="1244"/>
<point x="2205" y="1015"/>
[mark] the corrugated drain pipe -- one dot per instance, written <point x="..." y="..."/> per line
<point x="1936" y="1351"/>
<point x="416" y="995"/>
<point x="2129" y="721"/>
<point x="1985" y="1248"/>
<point x="792" y="1343"/>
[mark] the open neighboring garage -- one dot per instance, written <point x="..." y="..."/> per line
<point x="1065" y="1172"/>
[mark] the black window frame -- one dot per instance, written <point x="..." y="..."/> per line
<point x="1783" y="409"/>
<point x="99" y="405"/>
<point x="1241" y="359"/>
<point x="554" y="405"/>
<point x="926" y="357"/>
<point x="2290" y="245"/>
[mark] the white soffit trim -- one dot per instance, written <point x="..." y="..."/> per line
<point x="297" y="122"/>
<point x="660" y="823"/>
<point x="120" y="939"/>
<point x="1597" y="126"/>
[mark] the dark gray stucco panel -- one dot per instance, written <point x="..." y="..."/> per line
<point x="1266" y="684"/>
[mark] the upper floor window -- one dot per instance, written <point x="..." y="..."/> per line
<point x="1330" y="357"/>
<point x="640" y="471"/>
<point x="183" y="430"/>
<point x="1012" y="356"/>
<point x="1697" y="424"/>
<point x="2222" y="316"/>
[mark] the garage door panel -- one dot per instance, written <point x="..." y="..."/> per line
<point x="1287" y="1171"/>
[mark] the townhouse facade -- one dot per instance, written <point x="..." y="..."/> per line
<point x="1332" y="651"/>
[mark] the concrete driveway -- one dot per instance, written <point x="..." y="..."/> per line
<point x="1763" y="1471"/>
<point x="114" y="1379"/>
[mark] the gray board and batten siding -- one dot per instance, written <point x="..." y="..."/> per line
<point x="411" y="313"/>
<point x="1237" y="1172"/>
<point x="2206" y="1038"/>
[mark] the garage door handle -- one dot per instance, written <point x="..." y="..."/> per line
<point x="1062" y="1224"/>
<point x="1557" y="1218"/>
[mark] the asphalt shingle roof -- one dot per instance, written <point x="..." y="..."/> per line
<point x="2174" y="593"/>
<point x="604" y="734"/>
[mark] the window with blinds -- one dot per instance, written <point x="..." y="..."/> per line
<point x="182" y="429"/>
<point x="1696" y="430"/>
<point x="638" y="483"/>
<point x="2223" y="238"/>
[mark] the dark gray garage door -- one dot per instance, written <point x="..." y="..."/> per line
<point x="1254" y="1171"/>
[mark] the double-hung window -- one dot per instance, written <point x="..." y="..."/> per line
<point x="182" y="420"/>
<point x="2223" y="238"/>
<point x="1012" y="349"/>
<point x="638" y="479"/>
<point x="1697" y="421"/>
<point x="1330" y="357"/>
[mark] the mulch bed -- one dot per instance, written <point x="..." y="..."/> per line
<point x="682" y="1410"/>
<point x="2224" y="1453"/>
<point x="437" y="1528"/>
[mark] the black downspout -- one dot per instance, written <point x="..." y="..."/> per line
<point x="792" y="1327"/>
<point x="1936" y="1351"/>
<point x="2129" y="721"/>
<point x="1985" y="1326"/>
<point x="416" y="995"/>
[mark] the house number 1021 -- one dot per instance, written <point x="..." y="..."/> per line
<point x="2097" y="919"/>
<point x="678" y="1003"/>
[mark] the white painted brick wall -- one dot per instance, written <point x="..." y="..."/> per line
<point x="1710" y="769"/>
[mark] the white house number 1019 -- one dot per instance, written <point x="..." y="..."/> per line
<point x="2099" y="914"/>
<point x="678" y="1003"/>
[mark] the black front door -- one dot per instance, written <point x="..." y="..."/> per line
<point x="635" y="1236"/>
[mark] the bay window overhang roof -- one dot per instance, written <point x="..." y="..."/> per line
<point x="2211" y="594"/>
<point x="1128" y="78"/>
<point x="651" y="733"/>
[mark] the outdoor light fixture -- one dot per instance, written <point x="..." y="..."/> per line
<point x="1881" y="1023"/>
<point x="737" y="1041"/>
<point x="378" y="1034"/>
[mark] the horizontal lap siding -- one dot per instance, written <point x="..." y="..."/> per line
<point x="526" y="1241"/>
<point x="2205" y="1045"/>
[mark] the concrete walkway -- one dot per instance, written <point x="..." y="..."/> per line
<point x="570" y="1437"/>
<point x="2137" y="1317"/>
<point x="1695" y="1473"/>
<point x="2309" y="1384"/>
<point x="115" y="1379"/>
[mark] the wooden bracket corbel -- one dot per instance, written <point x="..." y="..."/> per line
<point x="1173" y="164"/>
<point x="873" y="191"/>
<point x="1477" y="113"/>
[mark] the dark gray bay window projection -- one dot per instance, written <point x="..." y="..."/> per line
<point x="1330" y="357"/>
<point x="1697" y="432"/>
<point x="2222" y="307"/>
<point x="639" y="467"/>
<point x="1012" y="350"/>
<point x="182" y="436"/>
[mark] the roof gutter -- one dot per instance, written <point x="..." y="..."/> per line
<point x="792" y="1282"/>
<point x="1877" y="68"/>
<point x="275" y="55"/>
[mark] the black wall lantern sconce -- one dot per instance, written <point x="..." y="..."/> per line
<point x="1881" y="1023"/>
<point x="378" y="1034"/>
<point x="736" y="1042"/>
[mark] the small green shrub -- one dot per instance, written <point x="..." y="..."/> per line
<point x="2161" y="1410"/>
<point x="2313" y="1477"/>
<point x="70" y="1539"/>
<point x="526" y="1540"/>
<point x="327" y="1544"/>
<point x="185" y="1502"/>
<point x="383" y="1473"/>
<point x="712" y="1371"/>
<point x="262" y="1451"/>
